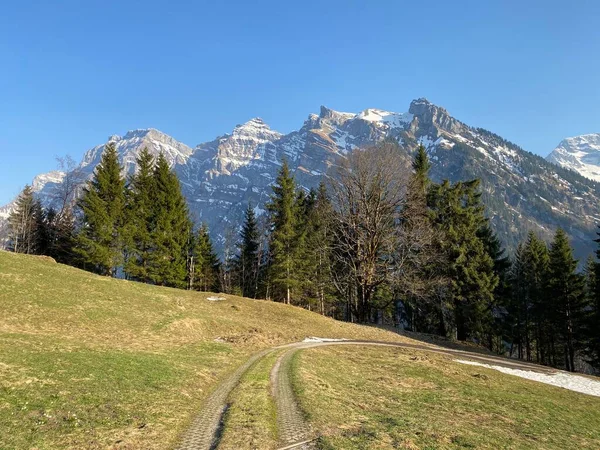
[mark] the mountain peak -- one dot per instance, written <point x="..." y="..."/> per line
<point x="429" y="114"/>
<point x="579" y="153"/>
<point x="328" y="113"/>
<point x="255" y="126"/>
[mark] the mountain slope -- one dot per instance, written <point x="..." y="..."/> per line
<point x="219" y="178"/>
<point x="579" y="153"/>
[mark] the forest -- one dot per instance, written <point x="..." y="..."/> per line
<point x="377" y="242"/>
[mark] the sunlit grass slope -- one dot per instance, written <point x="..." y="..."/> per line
<point x="92" y="362"/>
<point x="382" y="398"/>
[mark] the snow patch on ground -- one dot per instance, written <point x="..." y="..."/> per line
<point x="215" y="299"/>
<point x="564" y="380"/>
<point x="320" y="339"/>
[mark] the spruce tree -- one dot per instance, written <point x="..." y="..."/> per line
<point x="421" y="167"/>
<point x="167" y="262"/>
<point x="593" y="318"/>
<point x="247" y="264"/>
<point x="303" y="255"/>
<point x="205" y="263"/>
<point x="592" y="323"/>
<point x="318" y="250"/>
<point x="517" y="305"/>
<point x="60" y="234"/>
<point x="539" y="336"/>
<point x="459" y="214"/>
<point x="99" y="242"/>
<point x="567" y="293"/>
<point x="140" y="219"/>
<point x="422" y="257"/>
<point x="282" y="208"/>
<point x="493" y="247"/>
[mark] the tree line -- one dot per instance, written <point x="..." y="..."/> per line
<point x="379" y="243"/>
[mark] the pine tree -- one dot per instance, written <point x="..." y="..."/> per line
<point x="99" y="242"/>
<point x="167" y="262"/>
<point x="24" y="222"/>
<point x="205" y="263"/>
<point x="282" y="208"/>
<point x="567" y="294"/>
<point x="140" y="219"/>
<point x="247" y="264"/>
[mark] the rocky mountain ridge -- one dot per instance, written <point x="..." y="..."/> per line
<point x="219" y="178"/>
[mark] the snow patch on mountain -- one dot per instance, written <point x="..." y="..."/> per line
<point x="392" y="119"/>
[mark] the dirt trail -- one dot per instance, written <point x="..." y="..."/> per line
<point x="293" y="431"/>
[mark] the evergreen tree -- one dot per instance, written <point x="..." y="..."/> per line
<point x="167" y="262"/>
<point x="318" y="250"/>
<point x="537" y="332"/>
<point x="140" y="219"/>
<point x="247" y="263"/>
<point x="60" y="234"/>
<point x="282" y="208"/>
<point x="23" y="223"/>
<point x="99" y="242"/>
<point x="517" y="307"/>
<point x="588" y="327"/>
<point x="459" y="214"/>
<point x="566" y="288"/>
<point x="422" y="257"/>
<point x="493" y="247"/>
<point x="592" y="323"/>
<point x="421" y="167"/>
<point x="303" y="255"/>
<point x="205" y="263"/>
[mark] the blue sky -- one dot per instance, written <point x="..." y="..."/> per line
<point x="72" y="73"/>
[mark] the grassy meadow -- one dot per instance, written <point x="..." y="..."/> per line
<point x="392" y="398"/>
<point x="92" y="362"/>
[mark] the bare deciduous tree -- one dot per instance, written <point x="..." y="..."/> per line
<point x="368" y="194"/>
<point x="65" y="193"/>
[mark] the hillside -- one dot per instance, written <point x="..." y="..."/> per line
<point x="89" y="362"/>
<point x="219" y="178"/>
<point x="92" y="362"/>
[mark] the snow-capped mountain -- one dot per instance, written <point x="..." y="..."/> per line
<point x="132" y="143"/>
<point x="579" y="153"/>
<point x="221" y="177"/>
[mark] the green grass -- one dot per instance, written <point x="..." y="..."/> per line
<point x="379" y="398"/>
<point x="92" y="362"/>
<point x="251" y="421"/>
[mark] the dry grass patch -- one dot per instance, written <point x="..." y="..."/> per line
<point x="389" y="398"/>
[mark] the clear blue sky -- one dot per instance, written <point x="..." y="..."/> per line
<point x="74" y="72"/>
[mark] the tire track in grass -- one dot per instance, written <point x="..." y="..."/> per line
<point x="293" y="430"/>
